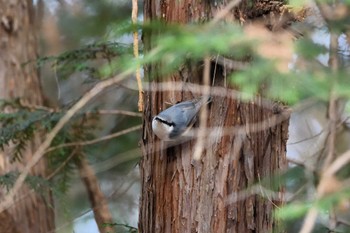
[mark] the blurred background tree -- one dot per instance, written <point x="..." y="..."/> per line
<point x="33" y="211"/>
<point x="69" y="63"/>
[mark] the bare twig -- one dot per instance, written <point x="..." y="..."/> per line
<point x="204" y="112"/>
<point x="97" y="140"/>
<point x="36" y="107"/>
<point x="198" y="89"/>
<point x="62" y="165"/>
<point x="343" y="222"/>
<point x="222" y="13"/>
<point x="120" y="158"/>
<point x="269" y="196"/>
<point x="332" y="110"/>
<point x="308" y="138"/>
<point x="256" y="190"/>
<point x="340" y="162"/>
<point x="118" y="112"/>
<point x="117" y="193"/>
<point x="101" y="111"/>
<point x="136" y="53"/>
<point x="230" y="64"/>
<point x="298" y="163"/>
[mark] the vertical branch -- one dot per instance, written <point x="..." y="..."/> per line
<point x="333" y="114"/>
<point x="204" y="112"/>
<point x="98" y="201"/>
<point x="332" y="109"/>
<point x="136" y="53"/>
<point x="311" y="216"/>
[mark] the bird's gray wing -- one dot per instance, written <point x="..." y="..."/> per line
<point x="184" y="118"/>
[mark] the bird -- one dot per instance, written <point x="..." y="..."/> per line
<point x="176" y="121"/>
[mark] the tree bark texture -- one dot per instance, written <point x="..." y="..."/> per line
<point x="32" y="212"/>
<point x="183" y="195"/>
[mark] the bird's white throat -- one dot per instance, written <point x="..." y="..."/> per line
<point x="161" y="130"/>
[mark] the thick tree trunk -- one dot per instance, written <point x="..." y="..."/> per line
<point x="32" y="212"/>
<point x="181" y="195"/>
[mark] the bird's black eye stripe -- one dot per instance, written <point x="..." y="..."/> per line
<point x="165" y="122"/>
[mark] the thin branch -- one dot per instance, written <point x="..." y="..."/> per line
<point x="97" y="140"/>
<point x="114" y="193"/>
<point x="340" y="162"/>
<point x="219" y="91"/>
<point x="298" y="163"/>
<point x="101" y="111"/>
<point x="215" y="67"/>
<point x="296" y="193"/>
<point x="343" y="222"/>
<point x="62" y="165"/>
<point x="198" y="89"/>
<point x="136" y="53"/>
<point x="332" y="110"/>
<point x="117" y="112"/>
<point x="9" y="198"/>
<point x="36" y="107"/>
<point x="256" y="190"/>
<point x="222" y="13"/>
<point x="231" y="64"/>
<point x="306" y="139"/>
<point x="120" y="158"/>
<point x="204" y="112"/>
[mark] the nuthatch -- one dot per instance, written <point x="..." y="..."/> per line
<point x="174" y="122"/>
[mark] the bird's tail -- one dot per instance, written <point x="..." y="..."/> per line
<point x="203" y="100"/>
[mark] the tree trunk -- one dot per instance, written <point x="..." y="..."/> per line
<point x="181" y="195"/>
<point x="32" y="212"/>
